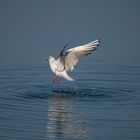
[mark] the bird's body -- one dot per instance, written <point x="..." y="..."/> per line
<point x="67" y="61"/>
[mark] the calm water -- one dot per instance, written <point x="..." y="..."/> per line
<point x="102" y="104"/>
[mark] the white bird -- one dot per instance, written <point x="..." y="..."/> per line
<point x="67" y="61"/>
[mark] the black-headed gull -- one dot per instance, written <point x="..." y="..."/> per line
<point x="67" y="61"/>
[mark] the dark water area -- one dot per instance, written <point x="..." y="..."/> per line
<point x="103" y="103"/>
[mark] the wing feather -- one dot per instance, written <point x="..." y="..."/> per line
<point x="74" y="54"/>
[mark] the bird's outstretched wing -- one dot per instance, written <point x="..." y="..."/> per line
<point x="74" y="54"/>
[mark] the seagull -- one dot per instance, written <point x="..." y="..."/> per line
<point x="67" y="60"/>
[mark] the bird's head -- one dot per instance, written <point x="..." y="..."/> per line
<point x="50" y="59"/>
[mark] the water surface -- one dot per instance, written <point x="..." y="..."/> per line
<point x="102" y="103"/>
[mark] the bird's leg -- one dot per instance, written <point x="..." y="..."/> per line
<point x="56" y="80"/>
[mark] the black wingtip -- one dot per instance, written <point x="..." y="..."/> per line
<point x="98" y="39"/>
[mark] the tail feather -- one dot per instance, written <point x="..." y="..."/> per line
<point x="66" y="76"/>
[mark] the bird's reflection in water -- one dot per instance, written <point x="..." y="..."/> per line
<point x="63" y="122"/>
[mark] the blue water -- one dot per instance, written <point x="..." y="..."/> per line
<point x="102" y="104"/>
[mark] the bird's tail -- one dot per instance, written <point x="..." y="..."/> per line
<point x="66" y="76"/>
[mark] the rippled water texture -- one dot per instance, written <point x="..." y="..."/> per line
<point x="102" y="104"/>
